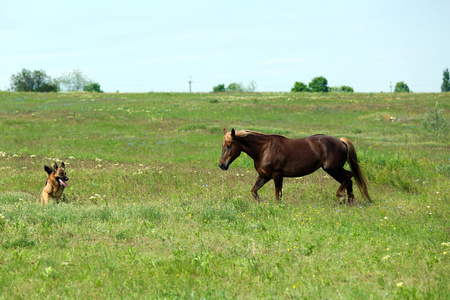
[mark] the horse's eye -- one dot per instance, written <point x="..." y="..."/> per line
<point x="229" y="147"/>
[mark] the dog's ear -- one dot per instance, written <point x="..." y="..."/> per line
<point x="55" y="166"/>
<point x="63" y="165"/>
<point x="48" y="170"/>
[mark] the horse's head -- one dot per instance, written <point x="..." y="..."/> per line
<point x="231" y="149"/>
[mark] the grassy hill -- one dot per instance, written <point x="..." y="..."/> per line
<point x="149" y="213"/>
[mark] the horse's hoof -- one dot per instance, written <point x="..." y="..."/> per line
<point x="341" y="200"/>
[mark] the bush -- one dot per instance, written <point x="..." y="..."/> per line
<point x="73" y="81"/>
<point x="401" y="87"/>
<point x="346" y="89"/>
<point x="341" y="89"/>
<point x="435" y="120"/>
<point x="93" y="87"/>
<point x="319" y="84"/>
<point x="235" y="87"/>
<point x="299" y="87"/>
<point x="36" y="81"/>
<point x="445" y="87"/>
<point x="219" y="88"/>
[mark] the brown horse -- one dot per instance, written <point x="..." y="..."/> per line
<point x="276" y="156"/>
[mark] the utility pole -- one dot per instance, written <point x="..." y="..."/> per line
<point x="390" y="85"/>
<point x="190" y="81"/>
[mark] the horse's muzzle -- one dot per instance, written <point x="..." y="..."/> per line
<point x="223" y="166"/>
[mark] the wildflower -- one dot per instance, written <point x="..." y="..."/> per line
<point x="386" y="257"/>
<point x="400" y="284"/>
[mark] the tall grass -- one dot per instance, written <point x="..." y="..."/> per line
<point x="149" y="214"/>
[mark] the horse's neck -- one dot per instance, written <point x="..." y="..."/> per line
<point x="252" y="145"/>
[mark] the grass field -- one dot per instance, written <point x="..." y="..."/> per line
<point x="148" y="213"/>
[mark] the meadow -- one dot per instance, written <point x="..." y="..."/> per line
<point x="148" y="213"/>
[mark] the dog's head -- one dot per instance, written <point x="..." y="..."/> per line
<point x="59" y="173"/>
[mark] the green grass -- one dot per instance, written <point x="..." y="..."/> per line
<point x="148" y="213"/>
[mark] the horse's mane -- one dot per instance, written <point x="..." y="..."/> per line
<point x="245" y="133"/>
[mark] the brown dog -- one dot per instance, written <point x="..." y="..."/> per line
<point x="55" y="184"/>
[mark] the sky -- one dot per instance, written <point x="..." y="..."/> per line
<point x="159" y="46"/>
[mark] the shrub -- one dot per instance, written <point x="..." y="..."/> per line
<point x="235" y="87"/>
<point x="435" y="120"/>
<point x="300" y="87"/>
<point x="401" y="87"/>
<point x="319" y="84"/>
<point x="36" y="81"/>
<point x="219" y="88"/>
<point x="93" y="87"/>
<point x="445" y="87"/>
<point x="346" y="89"/>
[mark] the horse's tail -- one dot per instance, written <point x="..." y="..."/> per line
<point x="352" y="160"/>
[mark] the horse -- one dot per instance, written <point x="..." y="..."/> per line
<point x="276" y="157"/>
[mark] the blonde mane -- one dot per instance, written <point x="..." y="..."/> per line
<point x="242" y="133"/>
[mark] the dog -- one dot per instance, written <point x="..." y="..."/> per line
<point x="55" y="184"/>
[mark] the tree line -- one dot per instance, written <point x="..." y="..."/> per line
<point x="320" y="85"/>
<point x="39" y="81"/>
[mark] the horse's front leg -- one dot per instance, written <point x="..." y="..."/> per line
<point x="278" y="179"/>
<point x="260" y="181"/>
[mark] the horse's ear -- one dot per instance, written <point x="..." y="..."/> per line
<point x="224" y="131"/>
<point x="233" y="133"/>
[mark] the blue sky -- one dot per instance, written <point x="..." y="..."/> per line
<point x="158" y="46"/>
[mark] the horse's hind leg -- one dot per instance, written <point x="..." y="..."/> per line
<point x="344" y="178"/>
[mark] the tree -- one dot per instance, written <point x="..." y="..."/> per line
<point x="445" y="87"/>
<point x="74" y="81"/>
<point x="319" y="84"/>
<point x="401" y="87"/>
<point x="235" y="87"/>
<point x="300" y="87"/>
<point x="346" y="89"/>
<point x="252" y="86"/>
<point x="93" y="87"/>
<point x="36" y="81"/>
<point x="219" y="88"/>
<point x="435" y="120"/>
